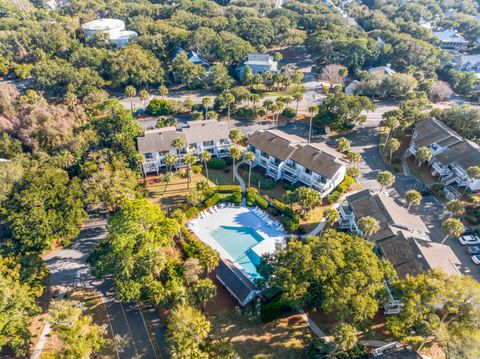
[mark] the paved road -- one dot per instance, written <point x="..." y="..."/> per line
<point x="365" y="140"/>
<point x="68" y="267"/>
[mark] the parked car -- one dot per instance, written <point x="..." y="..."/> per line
<point x="472" y="250"/>
<point x="469" y="240"/>
<point x="476" y="259"/>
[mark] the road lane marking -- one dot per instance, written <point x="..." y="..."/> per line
<point x="148" y="333"/>
<point x="129" y="330"/>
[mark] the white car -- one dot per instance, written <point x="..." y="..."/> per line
<point x="469" y="240"/>
<point x="476" y="259"/>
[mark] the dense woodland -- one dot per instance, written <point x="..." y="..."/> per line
<point x="70" y="147"/>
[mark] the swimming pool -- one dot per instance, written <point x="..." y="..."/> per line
<point x="238" y="243"/>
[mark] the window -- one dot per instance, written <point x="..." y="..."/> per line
<point x="292" y="164"/>
<point x="224" y="141"/>
<point x="264" y="154"/>
<point x="192" y="146"/>
<point x="307" y="171"/>
<point x="208" y="143"/>
<point x="148" y="155"/>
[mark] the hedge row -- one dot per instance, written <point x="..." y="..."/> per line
<point x="255" y="199"/>
<point x="212" y="200"/>
<point x="291" y="220"/>
<point x="228" y="188"/>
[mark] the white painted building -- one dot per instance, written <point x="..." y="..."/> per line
<point x="113" y="28"/>
<point x="451" y="39"/>
<point x="291" y="158"/>
<point x="258" y="63"/>
<point x="210" y="135"/>
<point x="452" y="154"/>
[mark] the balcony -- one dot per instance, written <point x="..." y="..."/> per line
<point x="292" y="177"/>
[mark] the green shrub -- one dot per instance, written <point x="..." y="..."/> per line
<point x="159" y="107"/>
<point x="195" y="248"/>
<point x="196" y="169"/>
<point x="166" y="122"/>
<point x="179" y="215"/>
<point x="260" y="201"/>
<point x="191" y="212"/>
<point x="244" y="112"/>
<point x="255" y="178"/>
<point x="236" y="197"/>
<point x="216" y="163"/>
<point x="212" y="200"/>
<point x="396" y="160"/>
<point x="291" y="224"/>
<point x="289" y="112"/>
<point x="228" y="188"/>
<point x="345" y="184"/>
<point x="228" y="161"/>
<point x="274" y="309"/>
<point x="267" y="183"/>
<point x="333" y="197"/>
<point x="251" y="196"/>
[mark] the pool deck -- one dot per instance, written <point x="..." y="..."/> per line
<point x="236" y="217"/>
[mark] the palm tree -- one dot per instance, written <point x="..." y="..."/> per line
<point x="268" y="105"/>
<point x="276" y="107"/>
<point x="423" y="154"/>
<point x="312" y="111"/>
<point x="455" y="206"/>
<point x="163" y="91"/>
<point x="144" y="95"/>
<point x="453" y="227"/>
<point x="229" y="100"/>
<point x="235" y="135"/>
<point x="179" y="144"/>
<point x="189" y="159"/>
<point x="255" y="98"/>
<point x="343" y="145"/>
<point x="169" y="160"/>
<point x="205" y="156"/>
<point x="206" y="102"/>
<point x="412" y="197"/>
<point x="331" y="216"/>
<point x="298" y="97"/>
<point x="368" y="225"/>
<point x="385" y="178"/>
<point x="354" y="157"/>
<point x="130" y="92"/>
<point x="473" y="174"/>
<point x="249" y="158"/>
<point x="235" y="153"/>
<point x="353" y="172"/>
<point x="391" y="146"/>
<point x="392" y="123"/>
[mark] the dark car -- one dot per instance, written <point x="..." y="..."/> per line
<point x="473" y="250"/>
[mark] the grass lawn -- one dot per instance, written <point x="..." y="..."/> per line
<point x="284" y="338"/>
<point x="173" y="194"/>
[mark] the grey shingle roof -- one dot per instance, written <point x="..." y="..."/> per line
<point x="391" y="217"/>
<point x="235" y="281"/>
<point x="319" y="158"/>
<point x="199" y="131"/>
<point x="464" y="153"/>
<point x="404" y="254"/>
<point x="158" y="140"/>
<point x="434" y="131"/>
<point x="275" y="143"/>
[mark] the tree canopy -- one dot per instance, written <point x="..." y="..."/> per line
<point x="336" y="272"/>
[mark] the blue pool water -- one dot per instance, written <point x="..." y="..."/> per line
<point x="238" y="242"/>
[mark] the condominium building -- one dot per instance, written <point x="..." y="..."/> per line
<point x="198" y="136"/>
<point x="291" y="158"/>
